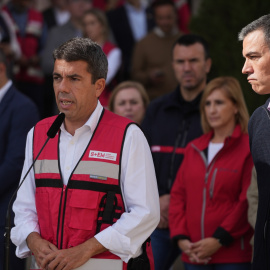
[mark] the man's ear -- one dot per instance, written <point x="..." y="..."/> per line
<point x="208" y="64"/>
<point x="3" y="69"/>
<point x="99" y="86"/>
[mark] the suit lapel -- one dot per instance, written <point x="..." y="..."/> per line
<point x="6" y="99"/>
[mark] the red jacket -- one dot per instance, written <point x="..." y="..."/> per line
<point x="210" y="200"/>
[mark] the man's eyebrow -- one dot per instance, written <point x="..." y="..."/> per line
<point x="74" y="75"/>
<point x="55" y="73"/>
<point x="68" y="76"/>
<point x="251" y="53"/>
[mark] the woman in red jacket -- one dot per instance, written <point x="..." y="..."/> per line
<point x="208" y="206"/>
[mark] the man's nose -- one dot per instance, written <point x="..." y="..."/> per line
<point x="63" y="86"/>
<point x="187" y="65"/>
<point x="247" y="68"/>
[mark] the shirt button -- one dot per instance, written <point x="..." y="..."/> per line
<point x="72" y="142"/>
<point x="67" y="168"/>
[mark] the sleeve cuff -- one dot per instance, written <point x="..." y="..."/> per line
<point x="176" y="238"/>
<point x="225" y="239"/>
<point x="114" y="242"/>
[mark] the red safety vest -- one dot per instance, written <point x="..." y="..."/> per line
<point x="29" y="44"/>
<point x="92" y="200"/>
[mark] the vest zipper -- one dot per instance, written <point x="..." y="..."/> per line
<point x="65" y="189"/>
<point x="60" y="219"/>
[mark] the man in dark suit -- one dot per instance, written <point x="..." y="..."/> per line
<point x="17" y="115"/>
<point x="130" y="23"/>
<point x="57" y="14"/>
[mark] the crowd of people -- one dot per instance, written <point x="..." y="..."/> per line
<point x="174" y="157"/>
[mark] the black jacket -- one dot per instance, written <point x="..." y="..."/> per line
<point x="259" y="134"/>
<point x="122" y="33"/>
<point x="170" y="123"/>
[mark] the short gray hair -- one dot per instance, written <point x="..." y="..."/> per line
<point x="84" y="49"/>
<point x="263" y="24"/>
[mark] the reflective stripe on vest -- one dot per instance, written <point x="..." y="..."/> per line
<point x="94" y="168"/>
<point x="92" y="264"/>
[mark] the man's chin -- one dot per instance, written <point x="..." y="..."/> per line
<point x="190" y="88"/>
<point x="260" y="90"/>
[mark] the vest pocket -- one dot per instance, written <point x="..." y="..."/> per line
<point x="84" y="207"/>
<point x="44" y="218"/>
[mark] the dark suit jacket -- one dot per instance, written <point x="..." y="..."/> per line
<point x="122" y="33"/>
<point x="17" y="115"/>
<point x="49" y="17"/>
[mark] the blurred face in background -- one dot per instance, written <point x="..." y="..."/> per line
<point x="93" y="28"/>
<point x="61" y="4"/>
<point x="135" y="3"/>
<point x="165" y="18"/>
<point x="220" y="111"/>
<point x="190" y="66"/>
<point x="129" y="103"/>
<point x="22" y="4"/>
<point x="77" y="8"/>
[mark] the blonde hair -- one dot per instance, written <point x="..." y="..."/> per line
<point x="125" y="85"/>
<point x="233" y="91"/>
<point x="101" y="17"/>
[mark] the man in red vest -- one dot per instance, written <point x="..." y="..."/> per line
<point x="91" y="201"/>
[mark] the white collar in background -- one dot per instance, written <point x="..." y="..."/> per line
<point x="4" y="89"/>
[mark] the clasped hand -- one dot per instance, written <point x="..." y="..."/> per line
<point x="201" y="251"/>
<point x="49" y="257"/>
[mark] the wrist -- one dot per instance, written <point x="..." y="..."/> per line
<point x="31" y="238"/>
<point x="218" y="242"/>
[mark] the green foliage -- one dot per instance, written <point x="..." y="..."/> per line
<point x="219" y="22"/>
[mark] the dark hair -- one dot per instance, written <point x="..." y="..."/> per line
<point x="84" y="49"/>
<point x="159" y="3"/>
<point x="263" y="23"/>
<point x="190" y="39"/>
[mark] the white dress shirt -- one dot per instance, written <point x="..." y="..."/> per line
<point x="138" y="185"/>
<point x="138" y="20"/>
<point x="61" y="16"/>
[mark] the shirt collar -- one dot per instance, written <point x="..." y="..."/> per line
<point x="161" y="34"/>
<point x="268" y="107"/>
<point x="92" y="122"/>
<point x="131" y="8"/>
<point x="4" y="89"/>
